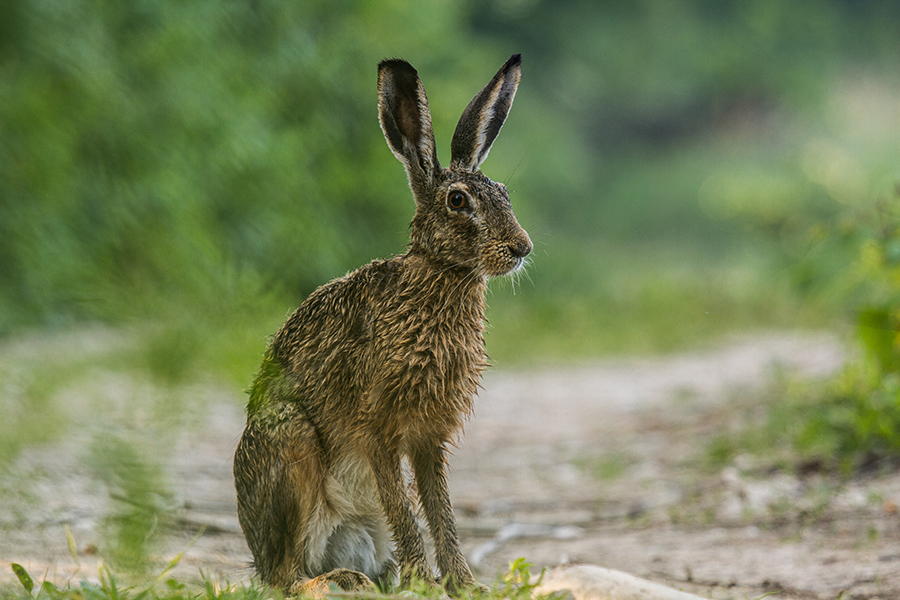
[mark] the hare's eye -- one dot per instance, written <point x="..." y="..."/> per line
<point x="457" y="201"/>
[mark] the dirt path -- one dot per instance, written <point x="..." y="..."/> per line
<point x="593" y="463"/>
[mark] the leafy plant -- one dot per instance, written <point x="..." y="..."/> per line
<point x="851" y="421"/>
<point x="856" y="421"/>
<point x="518" y="583"/>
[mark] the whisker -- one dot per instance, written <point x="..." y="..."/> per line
<point x="524" y="271"/>
<point x="453" y="266"/>
<point x="472" y="275"/>
<point x="508" y="180"/>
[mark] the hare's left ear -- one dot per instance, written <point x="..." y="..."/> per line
<point x="406" y="120"/>
<point x="481" y="121"/>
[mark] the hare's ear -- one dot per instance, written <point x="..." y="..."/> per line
<point x="481" y="121"/>
<point x="405" y="118"/>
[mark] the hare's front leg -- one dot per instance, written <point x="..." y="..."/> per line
<point x="410" y="551"/>
<point x="429" y="467"/>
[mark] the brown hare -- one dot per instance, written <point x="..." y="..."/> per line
<point x="381" y="366"/>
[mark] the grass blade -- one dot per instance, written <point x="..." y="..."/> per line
<point x="174" y="562"/>
<point x="72" y="547"/>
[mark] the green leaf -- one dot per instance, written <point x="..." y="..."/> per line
<point x="24" y="578"/>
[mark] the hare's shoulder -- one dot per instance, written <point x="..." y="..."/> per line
<point x="365" y="284"/>
<point x="353" y="291"/>
<point x="342" y="306"/>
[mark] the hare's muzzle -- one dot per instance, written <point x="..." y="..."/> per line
<point x="521" y="248"/>
<point x="518" y="250"/>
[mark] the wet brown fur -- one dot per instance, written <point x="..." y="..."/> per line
<point x="381" y="365"/>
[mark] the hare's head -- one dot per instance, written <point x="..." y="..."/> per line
<point x="462" y="218"/>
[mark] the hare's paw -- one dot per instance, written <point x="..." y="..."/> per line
<point x="462" y="582"/>
<point x="349" y="581"/>
<point x="345" y="579"/>
<point x="416" y="578"/>
<point x="473" y="588"/>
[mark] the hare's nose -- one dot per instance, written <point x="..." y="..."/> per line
<point x="521" y="248"/>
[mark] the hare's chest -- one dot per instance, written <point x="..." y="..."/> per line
<point x="433" y="387"/>
<point x="429" y="348"/>
<point x="434" y="349"/>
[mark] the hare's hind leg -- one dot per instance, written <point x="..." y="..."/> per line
<point x="278" y="478"/>
<point x="269" y="510"/>
<point x="286" y="509"/>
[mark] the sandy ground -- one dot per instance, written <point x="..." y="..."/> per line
<point x="595" y="463"/>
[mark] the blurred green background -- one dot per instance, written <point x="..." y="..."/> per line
<point x="187" y="172"/>
<point x="205" y="165"/>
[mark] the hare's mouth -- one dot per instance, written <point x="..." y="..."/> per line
<point x="511" y="266"/>
<point x="518" y="266"/>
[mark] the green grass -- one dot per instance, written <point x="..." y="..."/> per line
<point x="109" y="587"/>
<point x="607" y="467"/>
<point x="516" y="584"/>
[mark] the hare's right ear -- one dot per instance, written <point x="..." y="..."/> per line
<point x="406" y="120"/>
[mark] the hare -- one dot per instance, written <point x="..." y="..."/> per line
<point x="381" y="366"/>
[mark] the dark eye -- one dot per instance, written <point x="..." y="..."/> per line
<point x="457" y="201"/>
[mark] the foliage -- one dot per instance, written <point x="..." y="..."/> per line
<point x="518" y="583"/>
<point x="645" y="81"/>
<point x="856" y="419"/>
<point x="179" y="162"/>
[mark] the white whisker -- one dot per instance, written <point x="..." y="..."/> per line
<point x="508" y="180"/>
<point x="524" y="271"/>
<point x="459" y="308"/>
<point x="471" y="274"/>
<point x="453" y="266"/>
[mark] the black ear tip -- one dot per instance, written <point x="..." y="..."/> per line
<point x="397" y="65"/>
<point x="514" y="61"/>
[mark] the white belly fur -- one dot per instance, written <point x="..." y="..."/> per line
<point x="349" y="530"/>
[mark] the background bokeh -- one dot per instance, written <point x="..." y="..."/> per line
<point x="183" y="174"/>
<point x="211" y="163"/>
